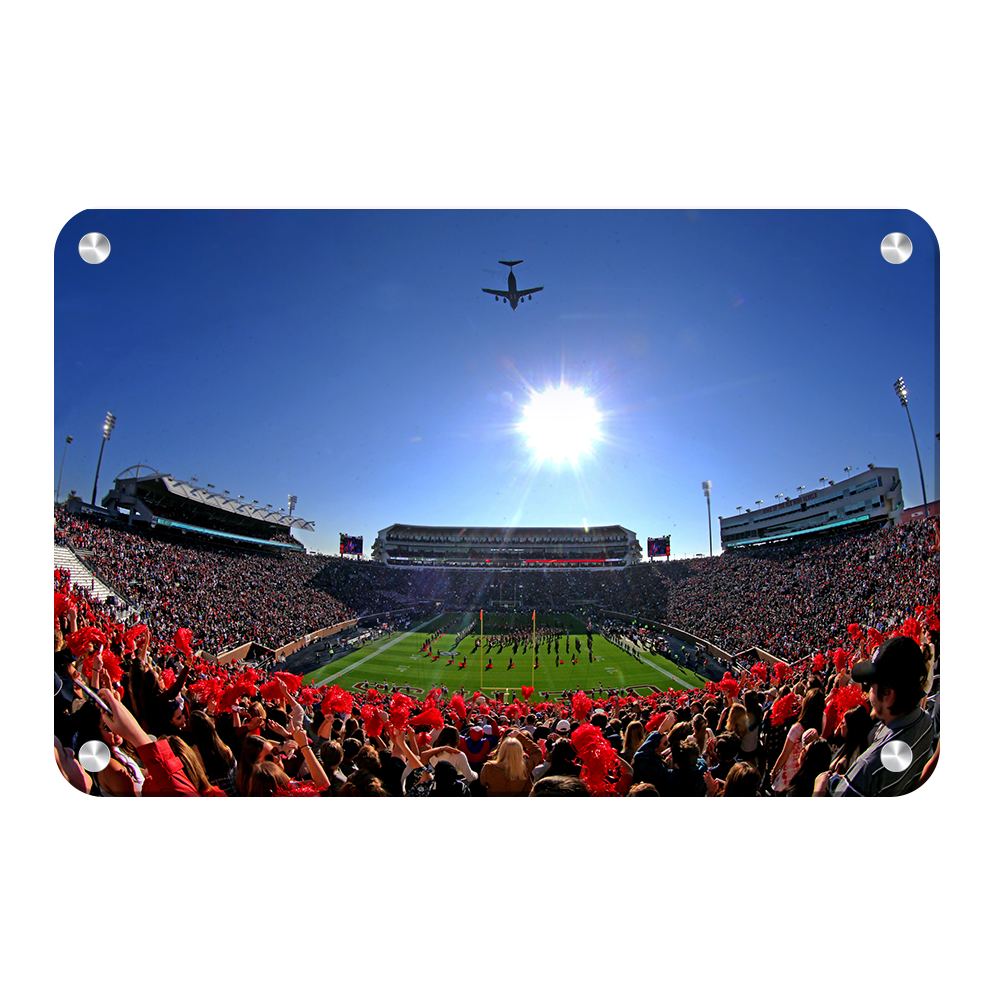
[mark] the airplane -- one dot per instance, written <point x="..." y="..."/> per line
<point x="512" y="295"/>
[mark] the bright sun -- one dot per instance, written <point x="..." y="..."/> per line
<point x="561" y="424"/>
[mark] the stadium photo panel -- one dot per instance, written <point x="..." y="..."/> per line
<point x="352" y="503"/>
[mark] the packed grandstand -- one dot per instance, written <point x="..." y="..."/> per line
<point x="193" y="648"/>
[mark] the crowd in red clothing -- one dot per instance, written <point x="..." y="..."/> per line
<point x="178" y="723"/>
<point x="227" y="597"/>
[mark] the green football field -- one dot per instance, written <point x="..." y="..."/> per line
<point x="398" y="659"/>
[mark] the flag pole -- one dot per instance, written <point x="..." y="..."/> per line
<point x="480" y="649"/>
<point x="534" y="655"/>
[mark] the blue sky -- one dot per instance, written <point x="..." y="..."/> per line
<point x="350" y="358"/>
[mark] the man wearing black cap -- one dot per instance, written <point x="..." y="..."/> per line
<point x="896" y="674"/>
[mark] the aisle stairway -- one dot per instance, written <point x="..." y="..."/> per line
<point x="65" y="558"/>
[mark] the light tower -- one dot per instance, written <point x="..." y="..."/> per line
<point x="707" y="487"/>
<point x="109" y="426"/>
<point x="900" y="387"/>
<point x="69" y="441"/>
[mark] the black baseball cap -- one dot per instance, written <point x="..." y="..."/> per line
<point x="898" y="662"/>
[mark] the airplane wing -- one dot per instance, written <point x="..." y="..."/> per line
<point x="495" y="291"/>
<point x="529" y="291"/>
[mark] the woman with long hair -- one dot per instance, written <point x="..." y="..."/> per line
<point x="815" y="760"/>
<point x="445" y="748"/>
<point x="855" y="729"/>
<point x="635" y="736"/>
<point x="742" y="781"/>
<point x="750" y="744"/>
<point x="736" y="720"/>
<point x="193" y="768"/>
<point x="507" y="772"/>
<point x="216" y="758"/>
<point x="702" y="733"/>
<point x="265" y="779"/>
<point x="807" y="728"/>
<point x="256" y="750"/>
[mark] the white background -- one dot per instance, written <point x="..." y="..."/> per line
<point x="251" y="104"/>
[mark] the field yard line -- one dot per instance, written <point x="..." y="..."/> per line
<point x="381" y="649"/>
<point x="666" y="673"/>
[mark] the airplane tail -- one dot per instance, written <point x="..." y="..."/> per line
<point x="510" y="263"/>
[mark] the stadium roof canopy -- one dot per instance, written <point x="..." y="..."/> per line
<point x="468" y="533"/>
<point x="171" y="497"/>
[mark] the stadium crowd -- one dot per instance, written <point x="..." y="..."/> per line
<point x="856" y="618"/>
<point x="226" y="597"/>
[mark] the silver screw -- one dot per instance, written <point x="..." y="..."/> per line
<point x="896" y="248"/>
<point x="896" y="756"/>
<point x="94" y="755"/>
<point x="94" y="248"/>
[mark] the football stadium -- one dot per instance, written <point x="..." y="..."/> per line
<point x="515" y="606"/>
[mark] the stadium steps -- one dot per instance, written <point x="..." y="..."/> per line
<point x="80" y="575"/>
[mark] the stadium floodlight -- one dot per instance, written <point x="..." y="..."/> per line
<point x="194" y="479"/>
<point x="292" y="501"/>
<point x="778" y="496"/>
<point x="801" y="489"/>
<point x="739" y="510"/>
<point x="847" y="468"/>
<point x="109" y="426"/>
<point x="871" y="465"/>
<point x="900" y="387"/>
<point x="758" y="502"/>
<point x="211" y="486"/>
<point x="707" y="488"/>
<point x="69" y="441"/>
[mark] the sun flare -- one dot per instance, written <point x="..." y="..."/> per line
<point x="560" y="424"/>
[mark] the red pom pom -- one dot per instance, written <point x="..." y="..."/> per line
<point x="308" y="696"/>
<point x="818" y="663"/>
<point x="297" y="789"/>
<point x="63" y="604"/>
<point x="133" y="634"/>
<point x="840" y="659"/>
<point x="373" y="695"/>
<point x="729" y="685"/>
<point x="783" y="709"/>
<point x="759" y="670"/>
<point x="600" y="762"/>
<point x="781" y="671"/>
<point x="581" y="706"/>
<point x="207" y="690"/>
<point x="182" y="640"/>
<point x="875" y="639"/>
<point x="458" y="706"/>
<point x="372" y="723"/>
<point x="292" y="681"/>
<point x="336" y="700"/>
<point x="527" y="691"/>
<point x="112" y="664"/>
<point x="272" y="691"/>
<point x="654" y="721"/>
<point x="168" y="677"/>
<point x="843" y="700"/>
<point x="399" y="710"/>
<point x="79" y="640"/>
<point x="431" y="717"/>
